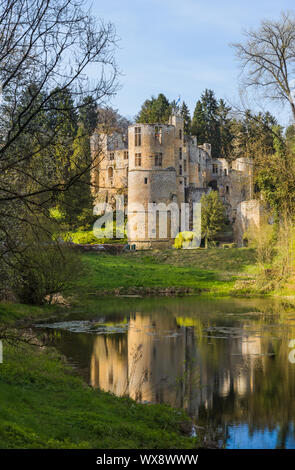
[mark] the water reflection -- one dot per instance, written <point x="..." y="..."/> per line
<point x="225" y="362"/>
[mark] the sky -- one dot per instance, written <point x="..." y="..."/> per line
<point x="182" y="47"/>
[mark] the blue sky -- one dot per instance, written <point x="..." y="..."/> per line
<point x="181" y="47"/>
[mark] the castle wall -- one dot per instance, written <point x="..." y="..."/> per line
<point x="249" y="214"/>
<point x="110" y="175"/>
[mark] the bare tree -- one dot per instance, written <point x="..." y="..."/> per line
<point x="47" y="48"/>
<point x="268" y="59"/>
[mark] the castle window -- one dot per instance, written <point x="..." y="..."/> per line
<point x="138" y="159"/>
<point x="112" y="156"/>
<point x="125" y="154"/>
<point x="180" y="153"/>
<point x="180" y="134"/>
<point x="110" y="175"/>
<point x="145" y="180"/>
<point x="180" y="181"/>
<point x="137" y="136"/>
<point x="158" y="159"/>
<point x="158" y="134"/>
<point x="185" y="181"/>
<point x="184" y="165"/>
<point x="180" y="169"/>
<point x="225" y="172"/>
<point x="199" y="167"/>
<point x="227" y="189"/>
<point x="214" y="168"/>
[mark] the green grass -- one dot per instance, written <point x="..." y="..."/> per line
<point x="44" y="405"/>
<point x="13" y="312"/>
<point x="213" y="270"/>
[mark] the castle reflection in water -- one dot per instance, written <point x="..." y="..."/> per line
<point x="161" y="360"/>
<point x="224" y="361"/>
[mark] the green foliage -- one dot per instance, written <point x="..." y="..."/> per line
<point x="213" y="216"/>
<point x="199" y="124"/>
<point x="182" y="239"/>
<point x="81" y="237"/>
<point x="211" y="123"/>
<point x="275" y="176"/>
<point x="155" y="110"/>
<point x="185" y="114"/>
<point x="76" y="204"/>
<point x="87" y="237"/>
<point x="43" y="267"/>
<point x="290" y="138"/>
<point x="253" y="135"/>
<point x="88" y="114"/>
<point x="205" y="123"/>
<point x="225" y="131"/>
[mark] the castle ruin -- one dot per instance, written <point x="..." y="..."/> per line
<point x="159" y="164"/>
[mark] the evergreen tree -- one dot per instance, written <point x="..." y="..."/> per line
<point x="76" y="204"/>
<point x="184" y="112"/>
<point x="225" y="134"/>
<point x="63" y="121"/>
<point x="88" y="114"/>
<point x="71" y="147"/>
<point x="253" y="135"/>
<point x="198" y="126"/>
<point x="212" y="216"/>
<point x="155" y="110"/>
<point x="205" y="124"/>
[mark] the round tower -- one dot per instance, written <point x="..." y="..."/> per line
<point x="151" y="181"/>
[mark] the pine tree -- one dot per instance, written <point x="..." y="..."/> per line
<point x="198" y="126"/>
<point x="88" y="114"/>
<point x="212" y="216"/>
<point x="76" y="204"/>
<point x="184" y="112"/>
<point x="226" y="136"/>
<point x="205" y="124"/>
<point x="155" y="110"/>
<point x="63" y="121"/>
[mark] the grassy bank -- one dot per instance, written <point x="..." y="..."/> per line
<point x="214" y="271"/>
<point x="45" y="405"/>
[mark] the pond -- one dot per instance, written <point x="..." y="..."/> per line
<point x="225" y="361"/>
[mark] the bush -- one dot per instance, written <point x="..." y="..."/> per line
<point x="183" y="240"/>
<point x="43" y="267"/>
<point x="81" y="237"/>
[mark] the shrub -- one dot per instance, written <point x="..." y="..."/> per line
<point x="183" y="240"/>
<point x="43" y="267"/>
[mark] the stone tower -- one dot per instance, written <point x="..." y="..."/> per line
<point x="153" y="179"/>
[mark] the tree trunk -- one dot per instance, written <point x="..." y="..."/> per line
<point x="293" y="111"/>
